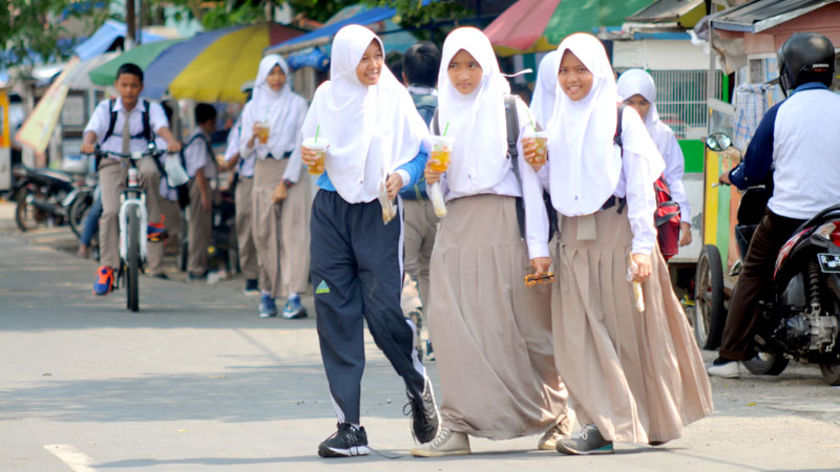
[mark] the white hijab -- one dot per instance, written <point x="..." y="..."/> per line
<point x="476" y="121"/>
<point x="275" y="108"/>
<point x="545" y="90"/>
<point x="585" y="167"/>
<point x="371" y="130"/>
<point x="639" y="82"/>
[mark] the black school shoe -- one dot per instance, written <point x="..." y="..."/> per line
<point x="346" y="442"/>
<point x="425" y="422"/>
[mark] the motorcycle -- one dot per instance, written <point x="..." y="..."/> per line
<point x="40" y="195"/>
<point x="800" y="320"/>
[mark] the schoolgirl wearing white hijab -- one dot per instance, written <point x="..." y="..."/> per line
<point x="637" y="89"/>
<point x="633" y="376"/>
<point x="491" y="333"/>
<point x="280" y="231"/>
<point x="375" y="136"/>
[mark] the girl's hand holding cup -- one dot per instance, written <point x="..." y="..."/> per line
<point x="313" y="152"/>
<point x="534" y="149"/>
<point x="432" y="176"/>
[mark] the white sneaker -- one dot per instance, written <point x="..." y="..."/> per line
<point x="447" y="443"/>
<point x="728" y="370"/>
<point x="548" y="441"/>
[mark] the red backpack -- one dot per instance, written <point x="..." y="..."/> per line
<point x="666" y="218"/>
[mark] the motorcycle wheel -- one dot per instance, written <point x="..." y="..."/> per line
<point x="133" y="262"/>
<point x="709" y="315"/>
<point x="78" y="212"/>
<point x="831" y="374"/>
<point x="766" y="363"/>
<point x="27" y="217"/>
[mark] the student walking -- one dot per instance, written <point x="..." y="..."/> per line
<point x="374" y="135"/>
<point x="634" y="373"/>
<point x="637" y="89"/>
<point x="127" y="124"/>
<point x="271" y="124"/>
<point x="492" y="334"/>
<point x="201" y="168"/>
<point x="244" y="168"/>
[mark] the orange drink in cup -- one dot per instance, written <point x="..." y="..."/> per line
<point x="540" y="138"/>
<point x="439" y="162"/>
<point x="262" y="132"/>
<point x="318" y="145"/>
<point x="441" y="150"/>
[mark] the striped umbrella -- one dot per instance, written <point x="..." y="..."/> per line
<point x="212" y="66"/>
<point x="540" y="25"/>
<point x="141" y="55"/>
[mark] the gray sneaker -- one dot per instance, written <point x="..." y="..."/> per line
<point x="588" y="441"/>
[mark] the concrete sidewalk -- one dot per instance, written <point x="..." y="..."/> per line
<point x="196" y="381"/>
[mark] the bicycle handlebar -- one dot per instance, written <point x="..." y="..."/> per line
<point x="134" y="155"/>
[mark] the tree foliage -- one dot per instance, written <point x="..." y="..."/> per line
<point x="35" y="29"/>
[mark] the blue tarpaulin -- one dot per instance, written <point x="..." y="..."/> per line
<point x="100" y="41"/>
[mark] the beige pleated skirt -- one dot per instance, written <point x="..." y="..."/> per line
<point x="638" y="376"/>
<point x="281" y="230"/>
<point x="491" y="334"/>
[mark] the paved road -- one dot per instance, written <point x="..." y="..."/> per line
<point x="196" y="382"/>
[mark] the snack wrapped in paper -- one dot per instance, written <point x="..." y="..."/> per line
<point x="436" y="195"/>
<point x="389" y="210"/>
<point x="638" y="296"/>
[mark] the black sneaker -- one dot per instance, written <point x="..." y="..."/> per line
<point x="252" y="287"/>
<point x="425" y="421"/>
<point x="588" y="441"/>
<point x="346" y="442"/>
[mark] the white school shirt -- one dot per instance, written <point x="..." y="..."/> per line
<point x="297" y="111"/>
<point x="536" y="219"/>
<point x="806" y="154"/>
<point x="245" y="166"/>
<point x="98" y="123"/>
<point x="197" y="156"/>
<point x="634" y="184"/>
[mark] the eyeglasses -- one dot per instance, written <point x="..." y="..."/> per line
<point x="534" y="279"/>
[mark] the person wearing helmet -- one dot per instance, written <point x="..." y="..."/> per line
<point x="799" y="139"/>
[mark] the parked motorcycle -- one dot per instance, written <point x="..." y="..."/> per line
<point x="40" y="194"/>
<point x="800" y="320"/>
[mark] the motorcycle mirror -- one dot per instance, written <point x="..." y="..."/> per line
<point x="717" y="142"/>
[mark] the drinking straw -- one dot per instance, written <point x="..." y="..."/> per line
<point x="446" y="128"/>
<point x="317" y="130"/>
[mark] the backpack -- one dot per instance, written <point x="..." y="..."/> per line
<point x="147" y="127"/>
<point x="512" y="125"/>
<point x="184" y="189"/>
<point x="666" y="218"/>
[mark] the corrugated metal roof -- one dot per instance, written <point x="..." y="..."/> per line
<point x="760" y="15"/>
<point x="664" y="11"/>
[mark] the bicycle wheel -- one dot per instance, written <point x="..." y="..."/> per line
<point x="133" y="260"/>
<point x="78" y="212"/>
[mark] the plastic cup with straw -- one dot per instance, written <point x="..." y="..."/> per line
<point x="439" y="161"/>
<point x="319" y="145"/>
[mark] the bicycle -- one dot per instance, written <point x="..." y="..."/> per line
<point x="133" y="221"/>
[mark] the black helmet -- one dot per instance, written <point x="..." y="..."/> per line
<point x="806" y="57"/>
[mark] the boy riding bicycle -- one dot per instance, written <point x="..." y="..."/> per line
<point x="109" y="128"/>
